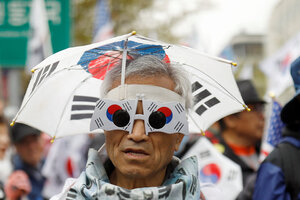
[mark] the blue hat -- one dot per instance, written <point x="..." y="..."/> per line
<point x="290" y="112"/>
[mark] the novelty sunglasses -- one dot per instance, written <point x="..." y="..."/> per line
<point x="159" y="114"/>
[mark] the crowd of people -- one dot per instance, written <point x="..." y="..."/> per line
<point x="142" y="165"/>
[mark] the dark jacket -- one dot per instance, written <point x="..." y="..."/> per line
<point x="35" y="176"/>
<point x="278" y="176"/>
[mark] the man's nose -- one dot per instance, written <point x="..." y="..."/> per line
<point x="138" y="133"/>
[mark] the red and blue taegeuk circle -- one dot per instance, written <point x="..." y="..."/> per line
<point x="111" y="110"/>
<point x="210" y="173"/>
<point x="167" y="112"/>
<point x="101" y="59"/>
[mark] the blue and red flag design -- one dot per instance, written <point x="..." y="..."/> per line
<point x="99" y="60"/>
<point x="111" y="110"/>
<point x="167" y="112"/>
<point x="210" y="173"/>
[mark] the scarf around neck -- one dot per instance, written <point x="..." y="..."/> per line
<point x="181" y="183"/>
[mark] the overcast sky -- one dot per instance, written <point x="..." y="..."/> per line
<point x="215" y="26"/>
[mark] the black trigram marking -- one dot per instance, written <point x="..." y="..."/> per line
<point x="99" y="122"/>
<point x="193" y="185"/>
<point x="204" y="154"/>
<point x="201" y="96"/>
<point x="179" y="108"/>
<point x="195" y="86"/>
<point x="148" y="195"/>
<point x="152" y="107"/>
<point x="44" y="73"/>
<point x="71" y="194"/>
<point x="150" y="127"/>
<point x="232" y="175"/>
<point x="100" y="104"/>
<point x="164" y="192"/>
<point x="182" y="171"/>
<point x="125" y="127"/>
<point x="84" y="104"/>
<point x="178" y="126"/>
<point x="123" y="193"/>
<point x="127" y="106"/>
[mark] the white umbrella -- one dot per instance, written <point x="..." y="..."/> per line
<point x="61" y="96"/>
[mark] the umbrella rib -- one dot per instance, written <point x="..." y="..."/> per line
<point x="216" y="83"/>
<point x="36" y="89"/>
<point x="195" y="123"/>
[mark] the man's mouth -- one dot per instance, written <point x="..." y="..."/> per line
<point x="136" y="152"/>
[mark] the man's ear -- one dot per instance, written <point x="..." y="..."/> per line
<point x="178" y="141"/>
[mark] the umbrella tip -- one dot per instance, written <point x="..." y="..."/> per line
<point x="234" y="64"/>
<point x="133" y="33"/>
<point x="12" y="123"/>
<point x="247" y="108"/>
<point x="33" y="70"/>
<point x="52" y="140"/>
<point x="202" y="132"/>
<point x="272" y="95"/>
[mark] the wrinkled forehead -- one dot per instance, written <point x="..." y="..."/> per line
<point x="144" y="92"/>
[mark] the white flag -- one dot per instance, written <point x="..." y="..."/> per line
<point x="277" y="67"/>
<point x="39" y="43"/>
<point x="216" y="168"/>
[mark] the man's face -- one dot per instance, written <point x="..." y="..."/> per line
<point x="138" y="155"/>
<point x="4" y="140"/>
<point x="251" y="124"/>
<point x="31" y="149"/>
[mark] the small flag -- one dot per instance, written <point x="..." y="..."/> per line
<point x="274" y="131"/>
<point x="103" y="28"/>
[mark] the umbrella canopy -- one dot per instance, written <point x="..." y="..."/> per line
<point x="64" y="88"/>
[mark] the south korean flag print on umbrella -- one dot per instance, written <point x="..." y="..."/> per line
<point x="65" y="87"/>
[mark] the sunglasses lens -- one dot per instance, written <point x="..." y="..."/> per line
<point x="121" y="118"/>
<point x="157" y="120"/>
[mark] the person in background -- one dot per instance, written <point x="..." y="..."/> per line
<point x="241" y="133"/>
<point x="29" y="156"/>
<point x="278" y="176"/>
<point x="17" y="186"/>
<point x="5" y="154"/>
<point x="138" y="163"/>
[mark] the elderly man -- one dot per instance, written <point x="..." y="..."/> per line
<point x="139" y="119"/>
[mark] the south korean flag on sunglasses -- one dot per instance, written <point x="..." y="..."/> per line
<point x="163" y="110"/>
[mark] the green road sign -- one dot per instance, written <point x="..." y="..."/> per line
<point x="14" y="29"/>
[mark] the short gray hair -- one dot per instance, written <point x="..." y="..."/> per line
<point x="149" y="66"/>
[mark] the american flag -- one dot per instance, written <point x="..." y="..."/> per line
<point x="103" y="28"/>
<point x="274" y="130"/>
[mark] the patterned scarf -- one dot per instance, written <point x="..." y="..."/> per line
<point x="182" y="183"/>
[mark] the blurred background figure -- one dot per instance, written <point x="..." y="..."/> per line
<point x="66" y="159"/>
<point x="241" y="133"/>
<point x="29" y="156"/>
<point x="5" y="154"/>
<point x="1" y="107"/>
<point x="278" y="176"/>
<point x="17" y="186"/>
<point x="5" y="151"/>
